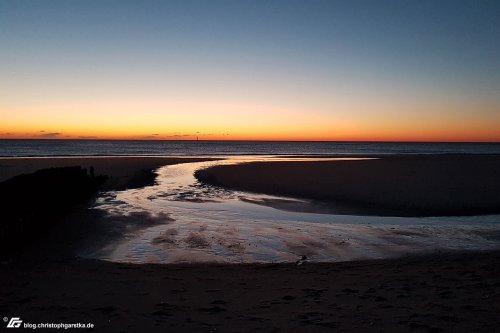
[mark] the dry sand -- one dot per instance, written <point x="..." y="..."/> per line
<point x="440" y="293"/>
<point x="419" y="185"/>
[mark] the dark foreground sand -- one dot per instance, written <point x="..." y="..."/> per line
<point x="418" y="185"/>
<point x="440" y="293"/>
<point x="433" y="293"/>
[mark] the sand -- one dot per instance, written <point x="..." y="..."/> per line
<point x="125" y="172"/>
<point x="454" y="292"/>
<point x="439" y="293"/>
<point x="418" y="185"/>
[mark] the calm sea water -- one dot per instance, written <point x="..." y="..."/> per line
<point x="194" y="148"/>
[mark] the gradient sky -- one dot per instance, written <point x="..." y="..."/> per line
<point x="285" y="70"/>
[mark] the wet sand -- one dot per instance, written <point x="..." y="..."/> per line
<point x="406" y="185"/>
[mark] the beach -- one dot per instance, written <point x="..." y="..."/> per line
<point x="437" y="292"/>
<point x="124" y="172"/>
<point x="401" y="185"/>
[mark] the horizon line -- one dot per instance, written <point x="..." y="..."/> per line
<point x="246" y="140"/>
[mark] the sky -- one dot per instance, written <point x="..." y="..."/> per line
<point x="250" y="70"/>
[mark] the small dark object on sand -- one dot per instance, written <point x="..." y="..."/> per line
<point x="302" y="259"/>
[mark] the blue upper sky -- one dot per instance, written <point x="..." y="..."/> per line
<point x="250" y="49"/>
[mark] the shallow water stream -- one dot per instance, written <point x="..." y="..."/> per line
<point x="191" y="222"/>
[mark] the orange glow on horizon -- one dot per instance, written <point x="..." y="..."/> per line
<point x="347" y="121"/>
<point x="448" y="136"/>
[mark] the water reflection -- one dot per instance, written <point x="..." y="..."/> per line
<point x="196" y="222"/>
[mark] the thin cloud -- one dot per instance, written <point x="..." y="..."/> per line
<point x="50" y="135"/>
<point x="179" y="135"/>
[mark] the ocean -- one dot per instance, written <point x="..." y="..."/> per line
<point x="19" y="148"/>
